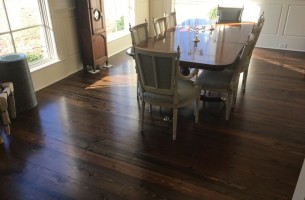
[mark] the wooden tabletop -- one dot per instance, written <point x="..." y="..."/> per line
<point x="216" y="49"/>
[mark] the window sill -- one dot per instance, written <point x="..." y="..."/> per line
<point x="115" y="36"/>
<point x="41" y="65"/>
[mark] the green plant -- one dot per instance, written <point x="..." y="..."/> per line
<point x="213" y="13"/>
<point x="120" y="24"/>
<point x="33" y="57"/>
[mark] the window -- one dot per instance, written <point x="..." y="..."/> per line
<point x="118" y="15"/>
<point x="206" y="9"/>
<point x="200" y="9"/>
<point x="24" y="28"/>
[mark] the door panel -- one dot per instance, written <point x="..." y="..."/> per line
<point x="97" y="16"/>
<point x="99" y="48"/>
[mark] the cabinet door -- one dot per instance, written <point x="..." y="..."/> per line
<point x="97" y="16"/>
<point x="99" y="48"/>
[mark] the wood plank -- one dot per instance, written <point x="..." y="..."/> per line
<point x="82" y="141"/>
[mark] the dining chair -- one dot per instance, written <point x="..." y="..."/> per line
<point x="255" y="33"/>
<point x="163" y="85"/>
<point x="7" y="106"/>
<point x="160" y="25"/>
<point x="226" y="81"/>
<point x="229" y="14"/>
<point x="171" y="21"/>
<point x="139" y="34"/>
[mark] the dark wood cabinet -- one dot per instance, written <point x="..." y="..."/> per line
<point x="92" y="33"/>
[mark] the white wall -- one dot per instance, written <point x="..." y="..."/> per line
<point x="284" y="27"/>
<point x="64" y="26"/>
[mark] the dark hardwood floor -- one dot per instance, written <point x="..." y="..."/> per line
<point x="82" y="141"/>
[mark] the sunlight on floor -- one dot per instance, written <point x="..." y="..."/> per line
<point x="115" y="80"/>
<point x="297" y="68"/>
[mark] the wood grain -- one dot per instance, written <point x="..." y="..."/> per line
<point x="82" y="141"/>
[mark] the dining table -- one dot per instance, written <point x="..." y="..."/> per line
<point x="201" y="45"/>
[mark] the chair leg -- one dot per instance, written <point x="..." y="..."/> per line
<point x="4" y="113"/>
<point x="9" y="90"/>
<point x="142" y="114"/>
<point x="138" y="85"/>
<point x="228" y="106"/>
<point x="1" y="140"/>
<point x="6" y="121"/>
<point x="196" y="109"/>
<point x="245" y="75"/>
<point x="204" y="95"/>
<point x="175" y="113"/>
<point x="138" y="90"/>
<point x="234" y="96"/>
<point x="7" y="129"/>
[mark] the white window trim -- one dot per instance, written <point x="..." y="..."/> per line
<point x="44" y="10"/>
<point x="117" y="35"/>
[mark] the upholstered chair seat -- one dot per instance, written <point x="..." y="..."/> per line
<point x="185" y="91"/>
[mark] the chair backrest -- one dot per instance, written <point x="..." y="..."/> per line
<point x="259" y="25"/>
<point x="257" y="28"/>
<point x="229" y="14"/>
<point x="247" y="50"/>
<point x="157" y="70"/>
<point x="171" y="20"/>
<point x="261" y="18"/>
<point x="160" y="25"/>
<point x="139" y="33"/>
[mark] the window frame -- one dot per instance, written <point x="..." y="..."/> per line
<point x="129" y="19"/>
<point x="48" y="34"/>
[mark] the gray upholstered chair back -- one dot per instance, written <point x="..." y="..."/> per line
<point x="248" y="47"/>
<point x="229" y="14"/>
<point x="257" y="28"/>
<point x="171" y="20"/>
<point x="163" y="85"/>
<point x="157" y="70"/>
<point x="160" y="25"/>
<point x="139" y="33"/>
